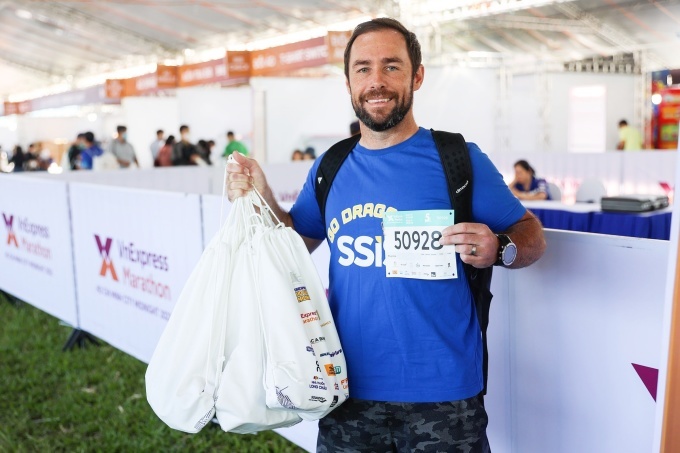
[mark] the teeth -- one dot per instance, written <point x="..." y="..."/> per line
<point x="376" y="101"/>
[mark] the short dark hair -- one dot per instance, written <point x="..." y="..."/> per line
<point x="525" y="165"/>
<point x="385" y="23"/>
<point x="89" y="137"/>
<point x="159" y="131"/>
<point x="183" y="128"/>
<point x="623" y="123"/>
<point x="230" y="133"/>
<point x="121" y="129"/>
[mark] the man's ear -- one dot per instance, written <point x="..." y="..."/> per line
<point x="418" y="78"/>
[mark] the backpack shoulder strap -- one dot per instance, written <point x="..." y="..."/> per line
<point x="455" y="158"/>
<point x="331" y="161"/>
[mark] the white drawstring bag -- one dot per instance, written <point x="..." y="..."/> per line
<point x="186" y="368"/>
<point x="251" y="339"/>
<point x="288" y="293"/>
<point x="181" y="378"/>
<point x="305" y="366"/>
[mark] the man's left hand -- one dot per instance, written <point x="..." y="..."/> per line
<point x="475" y="242"/>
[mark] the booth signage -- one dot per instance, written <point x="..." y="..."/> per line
<point x="238" y="64"/>
<point x="337" y="41"/>
<point x="213" y="71"/>
<point x="17" y="108"/>
<point x="289" y="57"/>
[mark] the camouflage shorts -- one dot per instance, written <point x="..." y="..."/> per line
<point x="372" y="426"/>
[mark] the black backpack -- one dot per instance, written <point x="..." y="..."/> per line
<point x="455" y="159"/>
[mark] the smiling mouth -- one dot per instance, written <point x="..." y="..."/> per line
<point x="378" y="101"/>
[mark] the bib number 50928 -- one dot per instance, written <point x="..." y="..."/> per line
<point x="417" y="240"/>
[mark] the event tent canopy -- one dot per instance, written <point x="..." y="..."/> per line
<point x="68" y="42"/>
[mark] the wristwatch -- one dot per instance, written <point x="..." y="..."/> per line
<point x="507" y="250"/>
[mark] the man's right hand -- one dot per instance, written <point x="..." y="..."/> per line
<point x="243" y="175"/>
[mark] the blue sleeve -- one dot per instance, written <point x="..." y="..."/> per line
<point x="305" y="212"/>
<point x="492" y="202"/>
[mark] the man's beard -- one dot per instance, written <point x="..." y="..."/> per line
<point x="395" y="117"/>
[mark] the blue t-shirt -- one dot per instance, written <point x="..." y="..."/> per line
<point x="405" y="340"/>
<point x="537" y="186"/>
<point x="87" y="156"/>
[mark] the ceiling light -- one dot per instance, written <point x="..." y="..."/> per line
<point x="22" y="13"/>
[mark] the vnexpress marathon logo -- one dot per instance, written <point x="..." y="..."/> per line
<point x="30" y="235"/>
<point x="135" y="260"/>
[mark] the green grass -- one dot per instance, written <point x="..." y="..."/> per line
<point x="88" y="400"/>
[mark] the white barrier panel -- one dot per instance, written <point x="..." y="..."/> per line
<point x="563" y="337"/>
<point x="134" y="250"/>
<point x="187" y="179"/>
<point x="573" y="329"/>
<point x="643" y="172"/>
<point x="35" y="245"/>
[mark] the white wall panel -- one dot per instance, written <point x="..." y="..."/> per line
<point x="211" y="112"/>
<point x="143" y="116"/>
<point x="301" y="110"/>
<point x="460" y="100"/>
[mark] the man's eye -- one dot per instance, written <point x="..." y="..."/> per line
<point x="392" y="68"/>
<point x="362" y="70"/>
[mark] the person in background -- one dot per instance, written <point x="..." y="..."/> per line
<point x="234" y="145"/>
<point x="629" y="138"/>
<point x="157" y="144"/>
<point x="184" y="152"/>
<point x="74" y="151"/>
<point x="297" y="155"/>
<point x="89" y="152"/>
<point x="310" y="154"/>
<point x="203" y="149"/>
<point x="164" y="157"/>
<point x="18" y="158"/>
<point x="31" y="158"/>
<point x="211" y="148"/>
<point x="526" y="186"/>
<point x="124" y="152"/>
<point x="354" y="128"/>
<point x="413" y="345"/>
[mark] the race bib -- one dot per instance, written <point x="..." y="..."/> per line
<point x="412" y="248"/>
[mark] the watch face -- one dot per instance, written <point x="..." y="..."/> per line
<point x="509" y="254"/>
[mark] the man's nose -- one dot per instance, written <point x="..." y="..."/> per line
<point x="377" y="80"/>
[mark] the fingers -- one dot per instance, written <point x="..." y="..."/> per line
<point x="475" y="243"/>
<point x="244" y="174"/>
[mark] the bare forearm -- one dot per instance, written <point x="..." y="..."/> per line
<point x="527" y="234"/>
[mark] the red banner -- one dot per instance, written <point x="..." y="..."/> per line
<point x="17" y="108"/>
<point x="282" y="59"/>
<point x="203" y="73"/>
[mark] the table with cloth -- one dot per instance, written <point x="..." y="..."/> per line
<point x="589" y="218"/>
